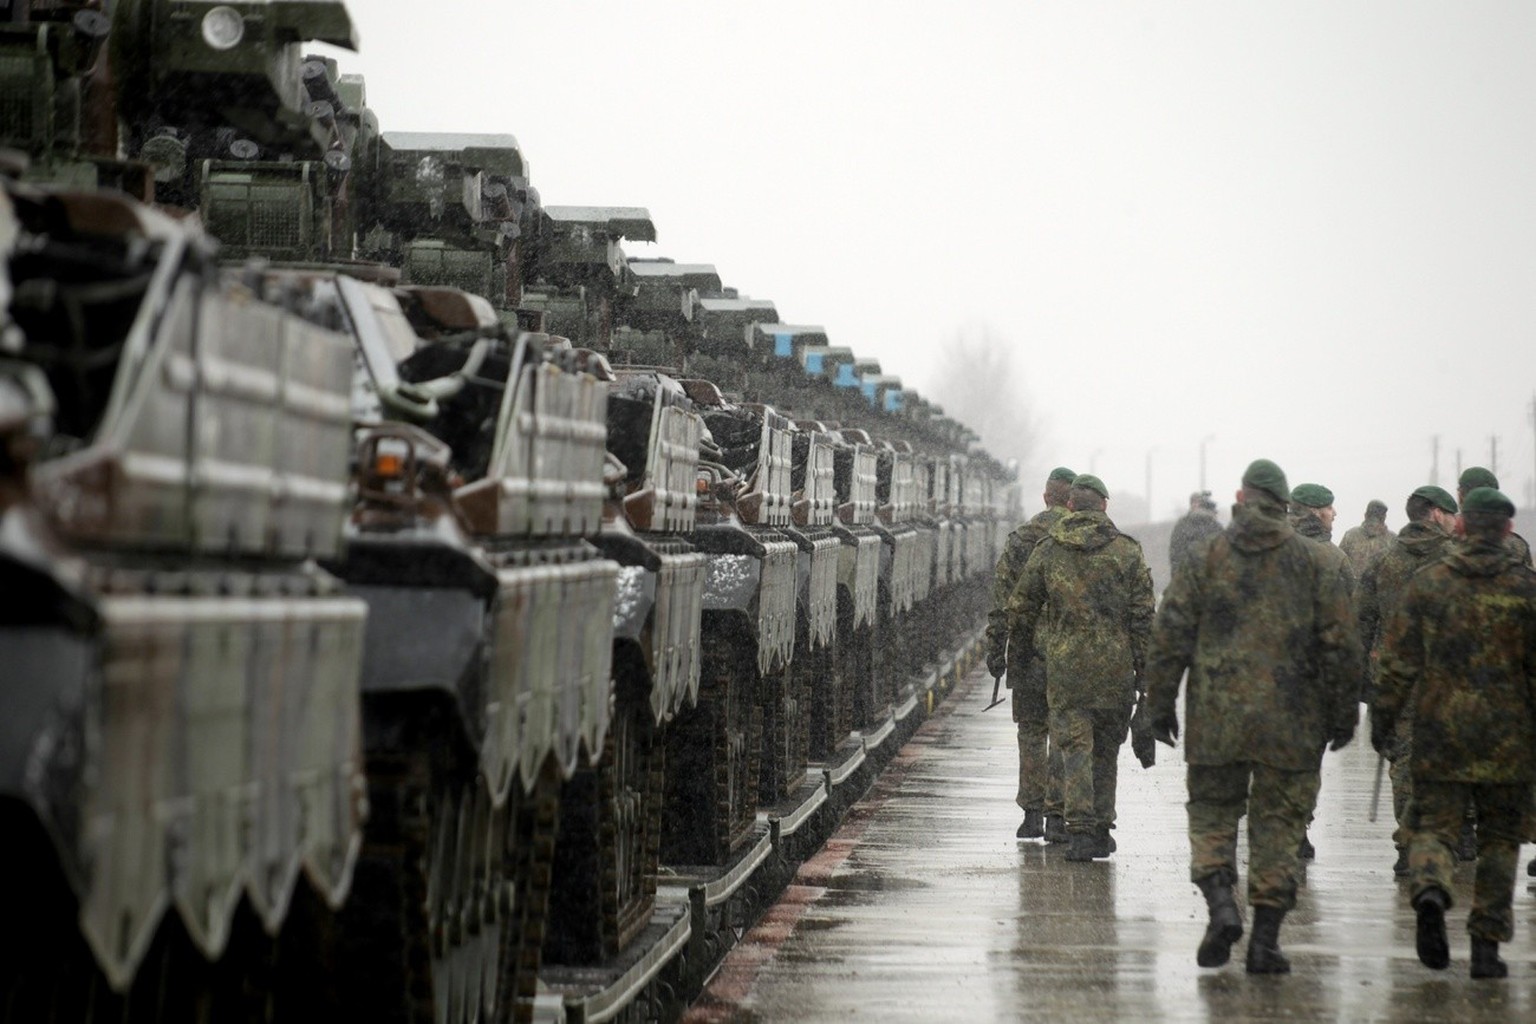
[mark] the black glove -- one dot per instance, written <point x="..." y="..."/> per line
<point x="1142" y="744"/>
<point x="1165" y="727"/>
<point x="997" y="663"/>
<point x="1383" y="735"/>
<point x="1341" y="737"/>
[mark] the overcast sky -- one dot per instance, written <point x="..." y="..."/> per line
<point x="1305" y="231"/>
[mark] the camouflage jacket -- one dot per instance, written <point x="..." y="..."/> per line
<point x="1416" y="545"/>
<point x="1519" y="547"/>
<point x="1313" y="528"/>
<point x="1010" y="567"/>
<point x="1459" y="656"/>
<point x="1514" y="543"/>
<point x="1263" y="625"/>
<point x="1192" y="528"/>
<point x="1085" y="604"/>
<point x="1366" y="544"/>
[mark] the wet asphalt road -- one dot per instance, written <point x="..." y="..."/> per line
<point x="924" y="907"/>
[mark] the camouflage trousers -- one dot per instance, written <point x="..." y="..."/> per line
<point x="1089" y="740"/>
<point x="1277" y="803"/>
<point x="1039" y="759"/>
<point x="1435" y="824"/>
<point x="1401" y="774"/>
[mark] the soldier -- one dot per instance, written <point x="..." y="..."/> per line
<point x="1471" y="478"/>
<point x="1459" y="662"/>
<point x="1476" y="476"/>
<point x="1312" y="515"/>
<point x="1196" y="525"/>
<point x="1039" y="793"/>
<point x="1262" y="624"/>
<point x="1085" y="604"/>
<point x="1366" y="543"/>
<point x="1431" y="518"/>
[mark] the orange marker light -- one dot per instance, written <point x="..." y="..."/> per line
<point x="388" y="464"/>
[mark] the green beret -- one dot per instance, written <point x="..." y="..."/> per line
<point x="1437" y="496"/>
<point x="1092" y="483"/>
<point x="1312" y="495"/>
<point x="1376" y="508"/>
<point x="1474" y="477"/>
<point x="1063" y="474"/>
<point x="1265" y="476"/>
<point x="1486" y="499"/>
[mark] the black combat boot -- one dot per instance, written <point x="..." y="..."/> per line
<point x="1434" y="950"/>
<point x="1264" y="956"/>
<point x="1226" y="925"/>
<point x="1485" y="959"/>
<point x="1056" y="829"/>
<point x="1400" y="866"/>
<point x="1033" y="827"/>
<point x="1305" y="850"/>
<point x="1088" y="846"/>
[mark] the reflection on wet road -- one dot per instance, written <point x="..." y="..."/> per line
<point x="924" y="907"/>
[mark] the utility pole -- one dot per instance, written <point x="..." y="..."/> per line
<point x="1533" y="447"/>
<point x="1493" y="454"/>
<point x="1149" y="482"/>
<point x="1434" y="453"/>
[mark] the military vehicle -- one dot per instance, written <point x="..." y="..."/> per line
<point x="421" y="608"/>
<point x="183" y="737"/>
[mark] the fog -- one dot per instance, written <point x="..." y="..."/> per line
<point x="1301" y="231"/>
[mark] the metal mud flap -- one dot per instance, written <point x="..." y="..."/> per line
<point x="226" y="759"/>
<point x="859" y="572"/>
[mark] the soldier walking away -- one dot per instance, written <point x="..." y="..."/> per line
<point x="1262" y="624"/>
<point x="1470" y="479"/>
<point x="1431" y="518"/>
<point x="1312" y="515"/>
<point x="1194" y="526"/>
<point x="1039" y="792"/>
<point x="1085" y="605"/>
<point x="1459" y="662"/>
<point x="1366" y="543"/>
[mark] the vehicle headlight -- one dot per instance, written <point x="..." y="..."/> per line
<point x="223" y="28"/>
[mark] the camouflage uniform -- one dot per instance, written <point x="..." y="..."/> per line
<point x="1085" y="603"/>
<point x="1040" y="768"/>
<point x="1417" y="545"/>
<point x="1459" y="661"/>
<point x="1313" y="528"/>
<point x="1366" y="544"/>
<point x="1193" y="527"/>
<point x="1263" y="624"/>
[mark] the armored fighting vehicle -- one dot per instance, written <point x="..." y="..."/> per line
<point x="404" y="586"/>
<point x="183" y="733"/>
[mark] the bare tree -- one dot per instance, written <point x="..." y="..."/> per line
<point x="979" y="383"/>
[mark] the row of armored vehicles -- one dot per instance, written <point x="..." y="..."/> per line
<point x="400" y="584"/>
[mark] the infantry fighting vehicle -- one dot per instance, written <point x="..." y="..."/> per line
<point x="411" y="594"/>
